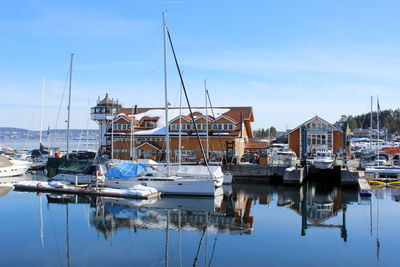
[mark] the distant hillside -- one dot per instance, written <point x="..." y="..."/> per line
<point x="19" y="133"/>
<point x="388" y="119"/>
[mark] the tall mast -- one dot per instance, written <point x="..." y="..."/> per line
<point x="370" y="127"/>
<point x="133" y="137"/>
<point x="166" y="95"/>
<point x="205" y="94"/>
<point x="69" y="103"/>
<point x="180" y="126"/>
<point x="377" y="127"/>
<point x="41" y="112"/>
<point x="87" y="127"/>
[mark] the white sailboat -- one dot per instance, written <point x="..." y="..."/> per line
<point x="170" y="182"/>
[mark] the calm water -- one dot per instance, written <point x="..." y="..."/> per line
<point x="250" y="225"/>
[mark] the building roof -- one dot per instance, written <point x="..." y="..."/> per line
<point x="256" y="145"/>
<point x="316" y="118"/>
<point x="235" y="114"/>
<point x="232" y="112"/>
<point x="107" y="101"/>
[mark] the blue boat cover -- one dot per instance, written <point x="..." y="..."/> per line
<point x="125" y="170"/>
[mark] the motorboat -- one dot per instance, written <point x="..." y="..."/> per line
<point x="91" y="174"/>
<point x="286" y="156"/>
<point x="127" y="175"/>
<point x="10" y="167"/>
<point x="382" y="172"/>
<point x="324" y="160"/>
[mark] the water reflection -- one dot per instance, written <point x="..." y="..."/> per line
<point x="230" y="212"/>
<point x="241" y="218"/>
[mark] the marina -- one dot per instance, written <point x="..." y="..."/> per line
<point x="199" y="133"/>
<point x="181" y="231"/>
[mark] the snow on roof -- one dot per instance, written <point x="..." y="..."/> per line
<point x="173" y="113"/>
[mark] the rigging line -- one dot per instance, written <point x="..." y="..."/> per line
<point x="212" y="123"/>
<point x="59" y="108"/>
<point x="187" y="100"/>
<point x="213" y="250"/>
<point x="198" y="248"/>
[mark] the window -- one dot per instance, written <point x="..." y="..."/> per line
<point x="329" y="139"/>
<point x="183" y="126"/>
<point x="323" y="141"/>
<point x="219" y="126"/>
<point x="225" y="126"/>
<point x="314" y="141"/>
<point x="215" y="126"/>
<point x="230" y="127"/>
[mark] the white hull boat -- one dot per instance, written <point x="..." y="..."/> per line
<point x="324" y="164"/>
<point x="167" y="185"/>
<point x="13" y="171"/>
<point x="199" y="172"/>
<point x="10" y="167"/>
<point x="324" y="160"/>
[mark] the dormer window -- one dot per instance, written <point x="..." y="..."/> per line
<point x="150" y="124"/>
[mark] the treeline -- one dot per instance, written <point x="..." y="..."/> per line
<point x="264" y="133"/>
<point x="388" y="119"/>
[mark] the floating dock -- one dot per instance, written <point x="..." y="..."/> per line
<point x="37" y="186"/>
<point x="365" y="188"/>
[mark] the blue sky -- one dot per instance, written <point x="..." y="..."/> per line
<point x="290" y="60"/>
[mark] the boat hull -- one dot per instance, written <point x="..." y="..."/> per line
<point x="13" y="171"/>
<point x="71" y="178"/>
<point x="169" y="187"/>
<point x="324" y="165"/>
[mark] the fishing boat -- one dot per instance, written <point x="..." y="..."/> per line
<point x="324" y="160"/>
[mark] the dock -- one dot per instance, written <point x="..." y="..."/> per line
<point x="255" y="173"/>
<point x="365" y="188"/>
<point x="78" y="190"/>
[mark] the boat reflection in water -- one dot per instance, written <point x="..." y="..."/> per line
<point x="229" y="212"/>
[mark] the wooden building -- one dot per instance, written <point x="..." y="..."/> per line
<point x="321" y="135"/>
<point x="231" y="126"/>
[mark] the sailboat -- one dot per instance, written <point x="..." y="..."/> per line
<point x="168" y="182"/>
<point x="86" y="172"/>
<point x="389" y="173"/>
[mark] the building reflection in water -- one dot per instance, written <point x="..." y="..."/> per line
<point x="230" y="212"/>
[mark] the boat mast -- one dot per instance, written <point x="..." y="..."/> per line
<point x="377" y="127"/>
<point x="132" y="137"/>
<point x="87" y="127"/>
<point x="41" y="112"/>
<point x="180" y="126"/>
<point x="69" y="103"/>
<point x="370" y="127"/>
<point x="166" y="96"/>
<point x="207" y="146"/>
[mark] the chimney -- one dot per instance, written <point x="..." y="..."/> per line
<point x="135" y="111"/>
